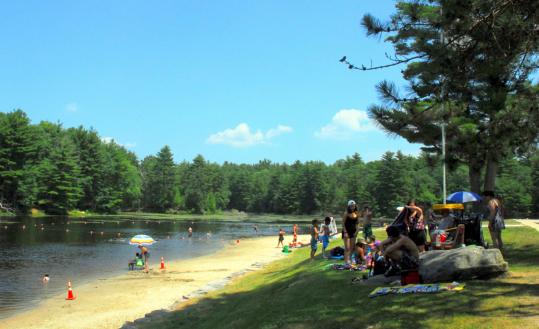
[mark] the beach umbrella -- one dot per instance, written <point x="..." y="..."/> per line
<point x="142" y="239"/>
<point x="463" y="197"/>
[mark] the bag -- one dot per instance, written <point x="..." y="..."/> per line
<point x="418" y="225"/>
<point x="498" y="222"/>
<point x="337" y="251"/>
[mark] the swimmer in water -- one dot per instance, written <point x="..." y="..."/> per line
<point x="46" y="278"/>
<point x="189" y="232"/>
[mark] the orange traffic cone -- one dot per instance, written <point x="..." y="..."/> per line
<point x="70" y="295"/>
<point x="162" y="263"/>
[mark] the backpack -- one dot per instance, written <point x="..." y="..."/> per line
<point x="337" y="251"/>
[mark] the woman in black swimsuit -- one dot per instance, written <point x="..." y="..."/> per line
<point x="349" y="230"/>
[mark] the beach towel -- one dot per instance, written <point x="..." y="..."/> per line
<point x="417" y="288"/>
<point x="347" y="267"/>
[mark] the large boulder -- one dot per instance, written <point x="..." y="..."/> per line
<point x="461" y="264"/>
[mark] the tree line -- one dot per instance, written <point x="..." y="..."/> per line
<point x="54" y="169"/>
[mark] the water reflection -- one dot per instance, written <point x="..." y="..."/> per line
<point x="86" y="249"/>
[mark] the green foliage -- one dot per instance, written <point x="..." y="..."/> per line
<point x="476" y="80"/>
<point x="58" y="170"/>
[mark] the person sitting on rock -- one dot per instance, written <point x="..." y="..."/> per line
<point x="400" y="249"/>
<point x="454" y="232"/>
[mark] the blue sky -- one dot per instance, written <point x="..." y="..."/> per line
<point x="235" y="81"/>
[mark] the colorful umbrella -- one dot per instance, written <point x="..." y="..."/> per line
<point x="142" y="239"/>
<point x="462" y="197"/>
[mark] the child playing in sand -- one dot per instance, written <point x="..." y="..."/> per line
<point x="314" y="237"/>
<point x="324" y="234"/>
<point x="281" y="237"/>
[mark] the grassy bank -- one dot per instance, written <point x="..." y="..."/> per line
<point x="298" y="293"/>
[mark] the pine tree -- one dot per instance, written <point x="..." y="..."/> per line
<point x="478" y="88"/>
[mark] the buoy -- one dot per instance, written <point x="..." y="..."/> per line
<point x="162" y="263"/>
<point x="70" y="295"/>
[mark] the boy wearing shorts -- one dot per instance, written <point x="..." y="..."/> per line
<point x="324" y="234"/>
<point x="314" y="237"/>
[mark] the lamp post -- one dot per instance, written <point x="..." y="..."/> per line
<point x="443" y="161"/>
<point x="444" y="190"/>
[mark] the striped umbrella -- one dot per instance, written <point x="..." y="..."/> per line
<point x="463" y="197"/>
<point x="142" y="239"/>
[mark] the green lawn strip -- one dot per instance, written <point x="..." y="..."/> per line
<point x="297" y="293"/>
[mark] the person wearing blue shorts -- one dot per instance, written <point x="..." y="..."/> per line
<point x="324" y="235"/>
<point x="314" y="237"/>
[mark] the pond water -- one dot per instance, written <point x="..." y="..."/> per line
<point x="84" y="249"/>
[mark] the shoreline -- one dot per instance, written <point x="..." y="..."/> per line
<point x="112" y="302"/>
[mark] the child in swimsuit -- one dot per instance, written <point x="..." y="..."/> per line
<point x="314" y="237"/>
<point x="325" y="233"/>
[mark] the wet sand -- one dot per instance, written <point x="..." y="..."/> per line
<point x="110" y="302"/>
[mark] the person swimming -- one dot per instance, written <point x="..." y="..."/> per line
<point x="46" y="278"/>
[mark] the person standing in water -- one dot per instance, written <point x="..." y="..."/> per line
<point x="189" y="232"/>
<point x="349" y="230"/>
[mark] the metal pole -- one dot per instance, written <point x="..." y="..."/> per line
<point x="442" y="40"/>
<point x="443" y="160"/>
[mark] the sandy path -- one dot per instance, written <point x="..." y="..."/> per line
<point x="529" y="222"/>
<point x="110" y="302"/>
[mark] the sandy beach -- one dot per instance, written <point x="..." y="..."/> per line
<point x="110" y="302"/>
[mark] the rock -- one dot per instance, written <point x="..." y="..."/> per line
<point x="467" y="263"/>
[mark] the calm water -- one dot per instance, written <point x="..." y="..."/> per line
<point x="67" y="250"/>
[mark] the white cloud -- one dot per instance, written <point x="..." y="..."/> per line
<point x="344" y="124"/>
<point x="278" y="131"/>
<point x="108" y="140"/>
<point x="72" y="107"/>
<point x="242" y="136"/>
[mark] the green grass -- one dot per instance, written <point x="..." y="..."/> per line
<point x="297" y="293"/>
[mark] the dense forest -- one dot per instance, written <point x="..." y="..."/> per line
<point x="54" y="169"/>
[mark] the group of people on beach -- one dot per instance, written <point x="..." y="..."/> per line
<point x="405" y="241"/>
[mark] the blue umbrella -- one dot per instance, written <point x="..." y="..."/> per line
<point x="462" y="197"/>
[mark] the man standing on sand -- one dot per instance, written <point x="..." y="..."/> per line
<point x="144" y="253"/>
<point x="281" y="238"/>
